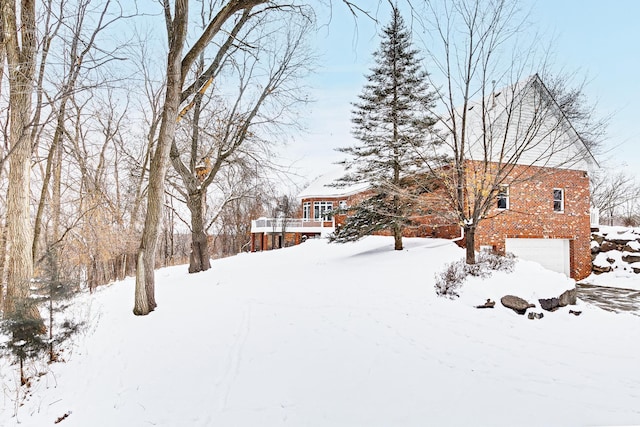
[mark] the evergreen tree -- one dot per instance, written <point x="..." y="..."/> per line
<point x="392" y="123"/>
<point x="26" y="337"/>
<point x="54" y="294"/>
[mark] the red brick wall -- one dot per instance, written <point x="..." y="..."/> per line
<point x="531" y="215"/>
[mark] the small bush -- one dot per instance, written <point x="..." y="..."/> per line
<point x="25" y="335"/>
<point x="449" y="281"/>
<point x="494" y="262"/>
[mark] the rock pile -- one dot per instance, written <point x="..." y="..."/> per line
<point x="520" y="305"/>
<point x="567" y="297"/>
<point x="615" y="248"/>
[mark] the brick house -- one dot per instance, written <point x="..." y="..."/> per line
<point x="541" y="211"/>
<point x="317" y="201"/>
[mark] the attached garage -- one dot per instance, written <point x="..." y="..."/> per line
<point x="553" y="254"/>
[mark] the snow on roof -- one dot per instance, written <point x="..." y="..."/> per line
<point x="322" y="186"/>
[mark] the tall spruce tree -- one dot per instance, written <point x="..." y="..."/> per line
<point x="392" y="123"/>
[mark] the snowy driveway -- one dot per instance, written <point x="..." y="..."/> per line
<point x="611" y="299"/>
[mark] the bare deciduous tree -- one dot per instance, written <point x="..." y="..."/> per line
<point x="499" y="126"/>
<point x="245" y="191"/>
<point x="582" y="114"/>
<point x="20" y="45"/>
<point x="613" y="192"/>
<point x="222" y="132"/>
<point x="176" y="25"/>
<point x="232" y="12"/>
<point x="78" y="41"/>
<point x="177" y="69"/>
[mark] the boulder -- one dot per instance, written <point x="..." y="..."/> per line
<point x="598" y="238"/>
<point x="568" y="297"/>
<point x="631" y="247"/>
<point x="599" y="269"/>
<point x="533" y="315"/>
<point x="619" y="242"/>
<point x="607" y="246"/>
<point x="631" y="257"/>
<point x="549" y="304"/>
<point x="515" y="303"/>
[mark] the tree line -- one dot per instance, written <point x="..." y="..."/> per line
<point x="110" y="132"/>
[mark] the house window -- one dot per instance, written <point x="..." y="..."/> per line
<point x="558" y="200"/>
<point x="321" y="209"/>
<point x="342" y="204"/>
<point x="306" y="210"/>
<point x="503" y="197"/>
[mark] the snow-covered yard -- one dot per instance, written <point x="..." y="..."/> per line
<point x="349" y="335"/>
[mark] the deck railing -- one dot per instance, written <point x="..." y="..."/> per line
<point x="289" y="224"/>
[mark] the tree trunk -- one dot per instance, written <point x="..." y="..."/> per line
<point x="199" y="257"/>
<point x="53" y="169"/>
<point x="470" y="242"/>
<point x="3" y="262"/>
<point x="397" y="236"/>
<point x="141" y="306"/>
<point x="21" y="64"/>
<point x="177" y="29"/>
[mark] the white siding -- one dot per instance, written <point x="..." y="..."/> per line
<point x="522" y="123"/>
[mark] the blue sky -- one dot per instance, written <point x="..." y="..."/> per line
<point x="598" y="40"/>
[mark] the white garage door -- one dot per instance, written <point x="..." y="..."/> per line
<point x="552" y="254"/>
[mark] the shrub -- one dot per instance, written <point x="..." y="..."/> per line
<point x="494" y="262"/>
<point x="449" y="281"/>
<point x="25" y="336"/>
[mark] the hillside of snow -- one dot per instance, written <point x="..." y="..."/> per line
<point x="337" y="335"/>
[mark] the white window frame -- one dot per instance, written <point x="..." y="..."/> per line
<point x="319" y="210"/>
<point x="503" y="196"/>
<point x="559" y="200"/>
<point x="342" y="204"/>
<point x="306" y="211"/>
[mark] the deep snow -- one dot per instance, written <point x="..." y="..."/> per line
<point x="338" y="335"/>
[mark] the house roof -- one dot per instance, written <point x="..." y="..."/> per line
<point x="586" y="151"/>
<point x="323" y="186"/>
<point x="523" y="115"/>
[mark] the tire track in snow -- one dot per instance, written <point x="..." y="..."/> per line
<point x="234" y="355"/>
